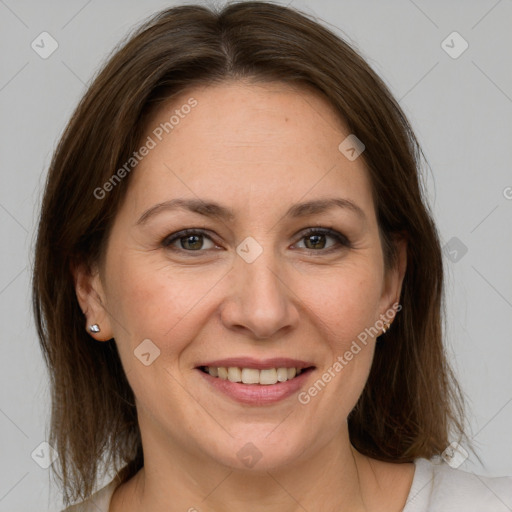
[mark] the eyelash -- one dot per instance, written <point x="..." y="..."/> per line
<point x="342" y="241"/>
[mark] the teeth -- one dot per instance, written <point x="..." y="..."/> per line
<point x="282" y="374"/>
<point x="250" y="376"/>
<point x="253" y="375"/>
<point x="235" y="374"/>
<point x="268" y="376"/>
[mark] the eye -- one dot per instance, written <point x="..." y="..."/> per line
<point x="193" y="240"/>
<point x="316" y="239"/>
<point x="189" y="240"/>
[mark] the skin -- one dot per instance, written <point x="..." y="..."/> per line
<point x="257" y="149"/>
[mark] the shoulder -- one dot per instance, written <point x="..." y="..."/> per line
<point x="98" y="502"/>
<point x="437" y="486"/>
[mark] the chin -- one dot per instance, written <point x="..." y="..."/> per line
<point x="267" y="450"/>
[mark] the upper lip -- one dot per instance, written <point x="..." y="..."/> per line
<point x="260" y="364"/>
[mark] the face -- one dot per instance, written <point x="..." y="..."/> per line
<point x="258" y="282"/>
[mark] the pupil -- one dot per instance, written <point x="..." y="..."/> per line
<point x="316" y="239"/>
<point x="187" y="239"/>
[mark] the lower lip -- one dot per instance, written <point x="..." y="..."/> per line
<point x="257" y="394"/>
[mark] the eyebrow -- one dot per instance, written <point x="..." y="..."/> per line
<point x="215" y="210"/>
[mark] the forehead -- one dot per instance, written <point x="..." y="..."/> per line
<point x="266" y="143"/>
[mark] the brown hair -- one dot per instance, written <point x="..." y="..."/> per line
<point x="411" y="405"/>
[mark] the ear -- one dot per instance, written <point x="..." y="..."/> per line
<point x="91" y="297"/>
<point x="394" y="277"/>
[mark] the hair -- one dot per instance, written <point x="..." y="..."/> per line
<point x="411" y="405"/>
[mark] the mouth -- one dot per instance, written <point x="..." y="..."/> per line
<point x="256" y="376"/>
<point x="255" y="382"/>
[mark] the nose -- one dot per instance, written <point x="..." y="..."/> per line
<point x="260" y="300"/>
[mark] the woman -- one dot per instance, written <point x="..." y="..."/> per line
<point x="238" y="284"/>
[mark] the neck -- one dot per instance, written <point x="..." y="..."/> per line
<point x="336" y="478"/>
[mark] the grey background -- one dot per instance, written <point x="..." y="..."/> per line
<point x="460" y="109"/>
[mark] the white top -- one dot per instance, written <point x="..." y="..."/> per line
<point x="436" y="487"/>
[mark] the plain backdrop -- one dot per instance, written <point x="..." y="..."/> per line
<point x="459" y="103"/>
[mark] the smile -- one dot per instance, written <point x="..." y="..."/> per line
<point x="256" y="382"/>
<point x="266" y="377"/>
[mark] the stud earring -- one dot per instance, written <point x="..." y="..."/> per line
<point x="94" y="328"/>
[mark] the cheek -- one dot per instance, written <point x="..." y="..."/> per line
<point x="346" y="301"/>
<point x="345" y="306"/>
<point x="344" y="320"/>
<point x="149" y="299"/>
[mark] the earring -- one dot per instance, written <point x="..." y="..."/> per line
<point x="386" y="327"/>
<point x="94" y="328"/>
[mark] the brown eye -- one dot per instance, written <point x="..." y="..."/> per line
<point x="189" y="240"/>
<point x="316" y="239"/>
